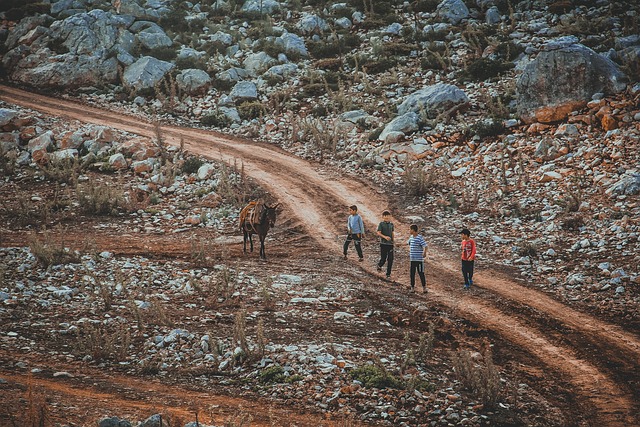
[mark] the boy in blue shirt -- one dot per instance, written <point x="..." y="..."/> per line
<point x="355" y="232"/>
<point x="417" y="254"/>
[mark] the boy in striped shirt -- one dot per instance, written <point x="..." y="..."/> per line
<point x="417" y="254"/>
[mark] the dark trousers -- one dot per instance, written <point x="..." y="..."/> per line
<point x="357" y="239"/>
<point x="419" y="267"/>
<point x="467" y="272"/>
<point x="386" y="255"/>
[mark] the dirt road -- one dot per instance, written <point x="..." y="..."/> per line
<point x="599" y="360"/>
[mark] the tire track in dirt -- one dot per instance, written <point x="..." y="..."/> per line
<point x="313" y="198"/>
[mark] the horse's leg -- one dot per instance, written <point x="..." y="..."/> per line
<point x="263" y="254"/>
<point x="244" y="240"/>
<point x="251" y="241"/>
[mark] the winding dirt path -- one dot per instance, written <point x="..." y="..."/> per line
<point x="580" y="351"/>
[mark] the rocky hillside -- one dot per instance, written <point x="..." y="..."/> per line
<point x="517" y="119"/>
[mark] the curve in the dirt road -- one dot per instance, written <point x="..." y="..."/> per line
<point x="306" y="193"/>
<point x="106" y="392"/>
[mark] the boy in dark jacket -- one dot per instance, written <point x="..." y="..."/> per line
<point x="385" y="231"/>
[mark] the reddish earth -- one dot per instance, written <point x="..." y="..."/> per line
<point x="588" y="364"/>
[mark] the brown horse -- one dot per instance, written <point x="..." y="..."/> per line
<point x="257" y="218"/>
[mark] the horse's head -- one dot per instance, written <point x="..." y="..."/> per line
<point x="270" y="213"/>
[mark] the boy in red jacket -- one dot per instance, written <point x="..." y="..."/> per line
<point x="468" y="256"/>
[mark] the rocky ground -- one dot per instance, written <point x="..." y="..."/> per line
<point x="554" y="205"/>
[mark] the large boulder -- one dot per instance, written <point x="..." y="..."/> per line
<point x="145" y="72"/>
<point x="71" y="53"/>
<point x="562" y="79"/>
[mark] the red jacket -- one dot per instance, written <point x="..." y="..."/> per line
<point x="468" y="250"/>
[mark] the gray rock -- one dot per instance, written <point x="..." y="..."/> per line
<point x="292" y="44"/>
<point x="145" y="72"/>
<point x="113" y="422"/>
<point x="628" y="184"/>
<point x="453" y="11"/>
<point x="312" y="24"/>
<point x="154" y="37"/>
<point x="244" y="91"/>
<point x="405" y="123"/>
<point x="258" y="63"/>
<point x="561" y="80"/>
<point x="155" y="420"/>
<point x="265" y="7"/>
<point x="6" y="115"/>
<point x="193" y="81"/>
<point x="433" y="100"/>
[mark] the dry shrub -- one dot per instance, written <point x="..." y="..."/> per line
<point x="50" y="252"/>
<point x="157" y="314"/>
<point x="240" y="336"/>
<point x="103" y="341"/>
<point x="418" y="181"/>
<point x="481" y="378"/>
<point x="37" y="411"/>
<point x="319" y="135"/>
<point x="100" y="198"/>
<point x="65" y="171"/>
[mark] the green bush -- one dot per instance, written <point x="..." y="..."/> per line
<point x="376" y="376"/>
<point x="487" y="128"/>
<point x="397" y="49"/>
<point x="191" y="62"/>
<point x="371" y="64"/>
<point x="250" y="110"/>
<point x="272" y="374"/>
<point x="164" y="53"/>
<point x="216" y="119"/>
<point x="486" y="68"/>
<point x="329" y="49"/>
<point x="191" y="165"/>
<point x="333" y="64"/>
<point x="509" y="50"/>
<point x="428" y="6"/>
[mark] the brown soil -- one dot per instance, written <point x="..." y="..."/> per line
<point x="590" y="363"/>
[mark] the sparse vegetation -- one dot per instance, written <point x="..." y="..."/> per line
<point x="418" y="181"/>
<point x="375" y="375"/>
<point x="481" y="377"/>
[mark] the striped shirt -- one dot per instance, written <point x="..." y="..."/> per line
<point x="416" y="247"/>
